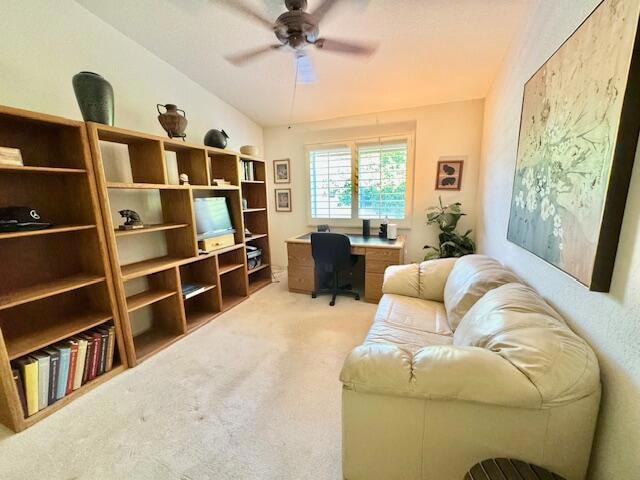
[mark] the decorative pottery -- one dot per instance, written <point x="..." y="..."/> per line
<point x="173" y="120"/>
<point x="95" y="97"/>
<point x="250" y="150"/>
<point x="216" y="138"/>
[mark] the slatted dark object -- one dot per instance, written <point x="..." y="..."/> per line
<point x="509" y="469"/>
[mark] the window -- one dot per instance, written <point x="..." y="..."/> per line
<point x="359" y="179"/>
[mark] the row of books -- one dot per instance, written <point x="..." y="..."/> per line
<point x="248" y="171"/>
<point x="44" y="377"/>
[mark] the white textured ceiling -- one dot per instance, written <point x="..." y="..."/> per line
<point x="431" y="51"/>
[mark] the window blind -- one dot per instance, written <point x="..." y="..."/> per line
<point x="330" y="182"/>
<point x="382" y="179"/>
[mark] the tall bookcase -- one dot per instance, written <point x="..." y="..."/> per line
<point x="55" y="282"/>
<point x="256" y="220"/>
<point x="135" y="170"/>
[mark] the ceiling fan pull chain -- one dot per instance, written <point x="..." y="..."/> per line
<point x="293" y="97"/>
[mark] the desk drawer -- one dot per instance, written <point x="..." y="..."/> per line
<point x="299" y="255"/>
<point x="378" y="259"/>
<point x="358" y="250"/>
<point x="373" y="287"/>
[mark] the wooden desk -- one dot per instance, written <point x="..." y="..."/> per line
<point x="378" y="254"/>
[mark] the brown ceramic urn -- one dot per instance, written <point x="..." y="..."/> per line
<point x="173" y="120"/>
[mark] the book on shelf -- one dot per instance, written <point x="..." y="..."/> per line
<point x="20" y="387"/>
<point x="95" y="357"/>
<point x="111" y="347"/>
<point x="54" y="369"/>
<point x="80" y="361"/>
<point x="63" y="370"/>
<point x="190" y="290"/>
<point x="89" y="356"/>
<point x="43" y="378"/>
<point x="29" y="371"/>
<point x="73" y="359"/>
<point x="104" y="340"/>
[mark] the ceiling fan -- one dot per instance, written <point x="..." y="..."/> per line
<point x="297" y="29"/>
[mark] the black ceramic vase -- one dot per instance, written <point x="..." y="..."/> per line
<point x="95" y="97"/>
<point x="216" y="138"/>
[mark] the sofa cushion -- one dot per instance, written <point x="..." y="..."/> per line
<point x="433" y="278"/>
<point x="517" y="324"/>
<point x="471" y="277"/>
<point x="422" y="315"/>
<point x="406" y="338"/>
<point x="402" y="280"/>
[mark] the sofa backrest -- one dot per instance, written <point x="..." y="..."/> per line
<point x="471" y="277"/>
<point x="517" y="324"/>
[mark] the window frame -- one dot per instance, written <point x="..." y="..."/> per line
<point x="353" y="143"/>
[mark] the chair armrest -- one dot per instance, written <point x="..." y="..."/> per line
<point x="442" y="372"/>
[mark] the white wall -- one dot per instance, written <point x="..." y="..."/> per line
<point x="610" y="322"/>
<point x="44" y="43"/>
<point x="440" y="130"/>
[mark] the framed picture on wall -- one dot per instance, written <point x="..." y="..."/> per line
<point x="449" y="176"/>
<point x="281" y="171"/>
<point x="283" y="199"/>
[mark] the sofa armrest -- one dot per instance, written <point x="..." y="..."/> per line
<point x="439" y="372"/>
<point x="402" y="280"/>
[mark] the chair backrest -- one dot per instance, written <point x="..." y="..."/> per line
<point x="331" y="250"/>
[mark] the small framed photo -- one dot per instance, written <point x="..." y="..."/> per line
<point x="449" y="175"/>
<point x="281" y="171"/>
<point x="283" y="199"/>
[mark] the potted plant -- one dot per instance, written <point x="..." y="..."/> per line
<point x="452" y="244"/>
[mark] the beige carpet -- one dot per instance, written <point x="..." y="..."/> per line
<point x="253" y="395"/>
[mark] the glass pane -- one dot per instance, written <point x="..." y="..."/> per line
<point x="330" y="182"/>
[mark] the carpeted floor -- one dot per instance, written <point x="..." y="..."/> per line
<point x="253" y="395"/>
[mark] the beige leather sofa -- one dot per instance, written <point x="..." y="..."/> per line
<point x="462" y="363"/>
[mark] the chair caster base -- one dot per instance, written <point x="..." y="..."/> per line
<point x="313" y="295"/>
<point x="357" y="297"/>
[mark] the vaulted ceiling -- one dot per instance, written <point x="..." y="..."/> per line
<point x="430" y="51"/>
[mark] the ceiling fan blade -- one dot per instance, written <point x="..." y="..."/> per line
<point x="322" y="9"/>
<point x="241" y="58"/>
<point x="239" y="7"/>
<point x="352" y="48"/>
<point x="305" y="69"/>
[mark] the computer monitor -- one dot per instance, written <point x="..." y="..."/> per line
<point x="212" y="217"/>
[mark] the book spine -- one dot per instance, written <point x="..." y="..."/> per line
<point x="63" y="373"/>
<point x="54" y="362"/>
<point x="95" y="360"/>
<point x="104" y="339"/>
<point x="29" y="370"/>
<point x="73" y="359"/>
<point x="43" y="381"/>
<point x="20" y="387"/>
<point x="80" y="361"/>
<point x="87" y="363"/>
<point x="112" y="347"/>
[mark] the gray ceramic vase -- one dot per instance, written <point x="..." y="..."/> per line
<point x="95" y="97"/>
<point x="216" y="138"/>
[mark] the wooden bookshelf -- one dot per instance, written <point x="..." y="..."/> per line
<point x="56" y="282"/>
<point x="158" y="316"/>
<point x="254" y="191"/>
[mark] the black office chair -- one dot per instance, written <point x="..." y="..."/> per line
<point x="332" y="255"/>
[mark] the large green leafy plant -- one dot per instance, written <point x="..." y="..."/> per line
<point x="452" y="244"/>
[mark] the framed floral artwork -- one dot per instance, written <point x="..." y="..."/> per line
<point x="282" y="171"/>
<point x="578" y="137"/>
<point x="449" y="175"/>
<point x="283" y="199"/>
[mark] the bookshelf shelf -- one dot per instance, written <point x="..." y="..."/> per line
<point x="213" y="188"/>
<point x="56" y="282"/>
<point x="143" y="299"/>
<point x="25" y="342"/>
<point x="47" y="231"/>
<point x="257" y="269"/>
<point x="229" y="268"/>
<point x="146" y="186"/>
<point x="255" y="236"/>
<point x="257" y="284"/>
<point x="48" y="289"/>
<point x="197" y="319"/>
<point x="206" y="288"/>
<point x="153" y="341"/>
<point x="147" y="267"/>
<point x="150" y="228"/>
<point x="254" y="210"/>
<point x="46" y="170"/>
<point x="253" y="182"/>
<point x="232" y="300"/>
